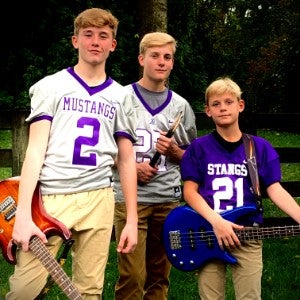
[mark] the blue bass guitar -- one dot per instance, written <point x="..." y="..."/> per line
<point x="190" y="242"/>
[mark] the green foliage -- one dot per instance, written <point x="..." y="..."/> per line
<point x="6" y="101"/>
<point x="274" y="67"/>
<point x="215" y="38"/>
<point x="189" y="77"/>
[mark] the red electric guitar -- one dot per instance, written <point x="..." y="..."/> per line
<point x="49" y="225"/>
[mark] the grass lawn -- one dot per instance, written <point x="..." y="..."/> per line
<point x="281" y="274"/>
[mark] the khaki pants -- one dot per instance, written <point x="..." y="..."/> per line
<point x="89" y="215"/>
<point x="246" y="274"/>
<point x="144" y="274"/>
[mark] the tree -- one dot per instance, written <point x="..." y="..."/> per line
<point x="152" y="16"/>
<point x="255" y="42"/>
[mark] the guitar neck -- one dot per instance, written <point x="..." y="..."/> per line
<point x="260" y="233"/>
<point x="40" y="250"/>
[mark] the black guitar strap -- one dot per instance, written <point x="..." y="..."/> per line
<point x="252" y="168"/>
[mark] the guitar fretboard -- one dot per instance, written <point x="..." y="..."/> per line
<point x="40" y="250"/>
<point x="260" y="233"/>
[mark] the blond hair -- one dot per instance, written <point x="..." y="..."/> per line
<point x="96" y="17"/>
<point x="157" y="39"/>
<point x="222" y="85"/>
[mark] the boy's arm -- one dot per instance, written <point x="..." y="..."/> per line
<point x="128" y="178"/>
<point x="223" y="229"/>
<point x="24" y="227"/>
<point x="284" y="201"/>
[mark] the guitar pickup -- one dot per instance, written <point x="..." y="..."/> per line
<point x="175" y="241"/>
<point x="10" y="213"/>
<point x="8" y="208"/>
<point x="8" y="201"/>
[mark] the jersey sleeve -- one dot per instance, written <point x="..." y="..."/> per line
<point x="189" y="124"/>
<point x="189" y="168"/>
<point x="127" y="120"/>
<point x="45" y="96"/>
<point x="186" y="131"/>
<point x="268" y="162"/>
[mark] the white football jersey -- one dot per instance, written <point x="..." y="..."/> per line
<point x="166" y="184"/>
<point x="84" y="124"/>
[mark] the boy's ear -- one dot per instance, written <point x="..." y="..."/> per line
<point x="113" y="45"/>
<point x="141" y="60"/>
<point x="74" y="41"/>
<point x="207" y="111"/>
<point x="242" y="105"/>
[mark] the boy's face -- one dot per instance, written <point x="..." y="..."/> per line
<point x="157" y="62"/>
<point x="94" y="44"/>
<point x="224" y="109"/>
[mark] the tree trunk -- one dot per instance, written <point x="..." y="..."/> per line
<point x="153" y="16"/>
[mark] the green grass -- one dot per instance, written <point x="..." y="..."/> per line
<point x="5" y="139"/>
<point x="281" y="274"/>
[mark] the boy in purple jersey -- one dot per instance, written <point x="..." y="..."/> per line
<point x="144" y="274"/>
<point x="216" y="179"/>
<point x="80" y="121"/>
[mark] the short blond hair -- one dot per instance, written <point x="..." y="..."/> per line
<point x="157" y="39"/>
<point x="96" y="17"/>
<point x="222" y="85"/>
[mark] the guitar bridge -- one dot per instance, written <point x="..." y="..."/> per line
<point x="175" y="241"/>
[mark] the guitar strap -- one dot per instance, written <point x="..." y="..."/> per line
<point x="252" y="168"/>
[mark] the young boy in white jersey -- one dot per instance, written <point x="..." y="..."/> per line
<point x="144" y="274"/>
<point x="80" y="121"/>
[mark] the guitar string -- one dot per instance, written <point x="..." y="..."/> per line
<point x="185" y="238"/>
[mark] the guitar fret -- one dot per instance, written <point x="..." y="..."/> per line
<point x="40" y="250"/>
<point x="268" y="232"/>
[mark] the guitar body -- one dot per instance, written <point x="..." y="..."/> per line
<point x="8" y="204"/>
<point x="189" y="240"/>
<point x="49" y="225"/>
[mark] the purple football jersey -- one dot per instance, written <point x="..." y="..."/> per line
<point x="222" y="173"/>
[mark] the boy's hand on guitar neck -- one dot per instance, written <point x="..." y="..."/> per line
<point x="24" y="229"/>
<point x="167" y="146"/>
<point x="224" y="232"/>
<point x="164" y="143"/>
